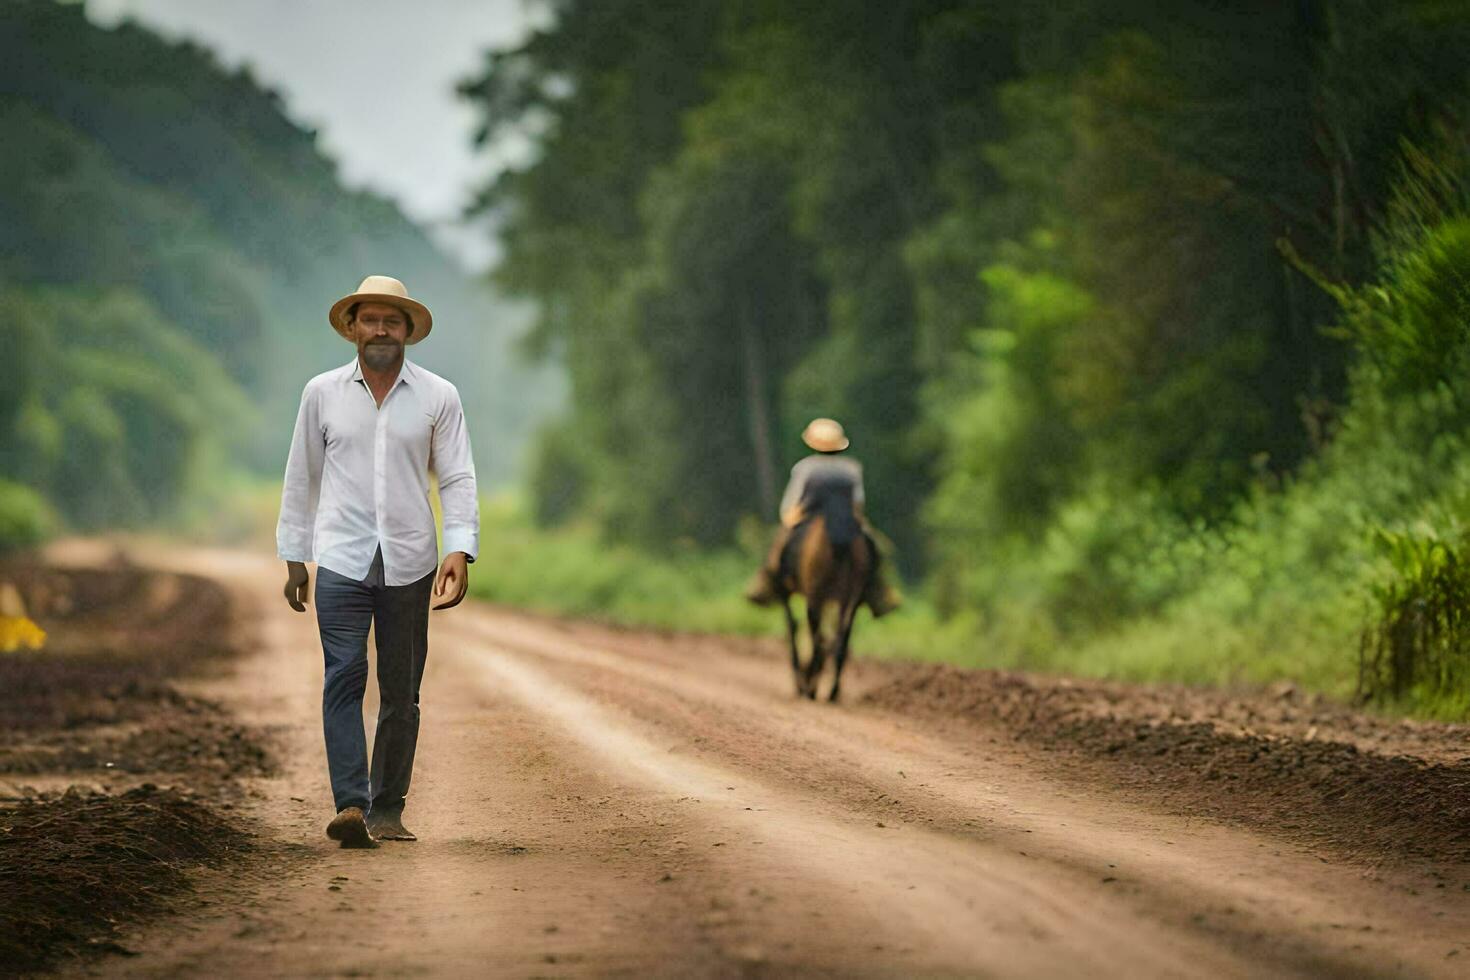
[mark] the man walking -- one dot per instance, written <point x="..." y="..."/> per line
<point x="356" y="500"/>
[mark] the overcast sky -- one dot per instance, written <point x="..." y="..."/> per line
<point x="357" y="70"/>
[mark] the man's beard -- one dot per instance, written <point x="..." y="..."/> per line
<point x="381" y="355"/>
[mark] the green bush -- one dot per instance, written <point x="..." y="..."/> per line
<point x="1418" y="647"/>
<point x="110" y="407"/>
<point x="1412" y="328"/>
<point x="1117" y="584"/>
<point x="571" y="570"/>
<point x="25" y="519"/>
<point x="574" y="570"/>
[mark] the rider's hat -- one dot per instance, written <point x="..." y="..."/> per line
<point x="825" y="436"/>
<point x="383" y="289"/>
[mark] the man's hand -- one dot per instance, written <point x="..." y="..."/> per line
<point x="297" y="579"/>
<point x="453" y="579"/>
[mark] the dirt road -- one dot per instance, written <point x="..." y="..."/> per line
<point x="593" y="801"/>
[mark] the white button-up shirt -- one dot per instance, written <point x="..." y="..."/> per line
<point x="357" y="475"/>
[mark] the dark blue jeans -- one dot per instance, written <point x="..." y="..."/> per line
<point x="400" y="614"/>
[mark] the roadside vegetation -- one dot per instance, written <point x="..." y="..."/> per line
<point x="1347" y="576"/>
<point x="1149" y="325"/>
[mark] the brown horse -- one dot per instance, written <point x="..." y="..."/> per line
<point x="831" y="577"/>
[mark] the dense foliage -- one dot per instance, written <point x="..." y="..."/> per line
<point x="744" y="213"/>
<point x="169" y="243"/>
<point x="1144" y="318"/>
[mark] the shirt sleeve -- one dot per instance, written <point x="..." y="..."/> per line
<point x="450" y="458"/>
<point x="295" y="529"/>
<point x="857" y="489"/>
<point x="794" y="488"/>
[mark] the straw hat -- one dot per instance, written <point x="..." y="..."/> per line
<point x="825" y="436"/>
<point x="383" y="289"/>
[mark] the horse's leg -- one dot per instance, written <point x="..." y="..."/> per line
<point x="819" y="653"/>
<point x="859" y="572"/>
<point x="839" y="655"/>
<point x="791" y="629"/>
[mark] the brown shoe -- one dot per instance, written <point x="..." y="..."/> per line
<point x="349" y="827"/>
<point x="388" y="827"/>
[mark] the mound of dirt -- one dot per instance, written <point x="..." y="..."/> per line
<point x="49" y="690"/>
<point x="98" y="699"/>
<point x="1366" y="787"/>
<point x="98" y="705"/>
<point x="194" y="737"/>
<point x="114" y="638"/>
<point x="124" y="612"/>
<point x="76" y="868"/>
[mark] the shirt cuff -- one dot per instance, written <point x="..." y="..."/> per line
<point x="462" y="539"/>
<point x="295" y="547"/>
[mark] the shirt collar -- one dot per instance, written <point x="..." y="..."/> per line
<point x="405" y="373"/>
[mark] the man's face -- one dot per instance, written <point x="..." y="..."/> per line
<point x="380" y="331"/>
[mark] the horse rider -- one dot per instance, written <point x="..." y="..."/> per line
<point x="813" y="479"/>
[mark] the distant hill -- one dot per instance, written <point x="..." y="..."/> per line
<point x="143" y="182"/>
